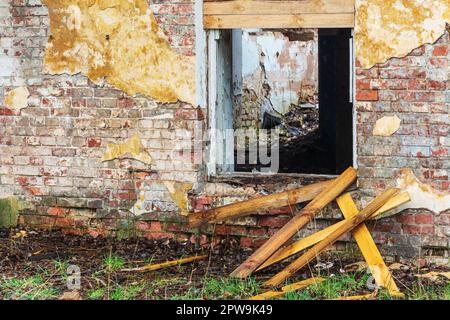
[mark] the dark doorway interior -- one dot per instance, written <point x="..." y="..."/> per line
<point x="327" y="148"/>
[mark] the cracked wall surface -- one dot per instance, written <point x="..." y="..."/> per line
<point x="392" y="28"/>
<point x="119" y="41"/>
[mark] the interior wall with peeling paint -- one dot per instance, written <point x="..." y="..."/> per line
<point x="279" y="72"/>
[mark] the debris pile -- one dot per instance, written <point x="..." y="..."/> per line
<point x="320" y="195"/>
<point x="298" y="123"/>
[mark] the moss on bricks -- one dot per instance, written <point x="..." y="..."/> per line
<point x="9" y="212"/>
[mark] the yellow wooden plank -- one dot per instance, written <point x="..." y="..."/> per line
<point x="262" y="203"/>
<point x="263" y="7"/>
<point x="368" y="248"/>
<point x="303" y="217"/>
<point x="268" y="295"/>
<point x="301" y="284"/>
<point x="348" y="226"/>
<point x="288" y="288"/>
<point x="368" y="296"/>
<point x="311" y="240"/>
<point x="335" y="20"/>
<point x="167" y="264"/>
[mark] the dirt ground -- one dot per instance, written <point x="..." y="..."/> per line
<point x="34" y="264"/>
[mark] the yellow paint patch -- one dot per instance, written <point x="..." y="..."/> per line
<point x="17" y="99"/>
<point x="386" y="126"/>
<point x="393" y="28"/>
<point x="119" y="41"/>
<point x="132" y="148"/>
<point x="179" y="193"/>
<point x="422" y="195"/>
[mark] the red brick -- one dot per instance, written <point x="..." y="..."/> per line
<point x="411" y="229"/>
<point x="440" y="51"/>
<point x="56" y="211"/>
<point x="426" y="218"/>
<point x="94" y="143"/>
<point x="73" y="231"/>
<point x="439" y="152"/>
<point x="437" y="85"/>
<point x="142" y="225"/>
<point x="158" y="235"/>
<point x="246" y="242"/>
<point x="363" y="84"/>
<point x="405" y="218"/>
<point x="64" y="222"/>
<point x="274" y="222"/>
<point x="367" y="95"/>
<point x="258" y="232"/>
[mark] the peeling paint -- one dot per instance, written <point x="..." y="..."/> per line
<point x="386" y="126"/>
<point x="422" y="195"/>
<point x="17" y="99"/>
<point x="163" y="196"/>
<point x="132" y="148"/>
<point x="179" y="193"/>
<point x="279" y="70"/>
<point x="393" y="28"/>
<point x="118" y="41"/>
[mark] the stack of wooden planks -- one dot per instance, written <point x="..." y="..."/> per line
<point x="319" y="196"/>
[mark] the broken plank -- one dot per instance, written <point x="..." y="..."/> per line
<point x="153" y="267"/>
<point x="311" y="240"/>
<point x="272" y="201"/>
<point x="368" y="296"/>
<point x="268" y="295"/>
<point x="335" y="188"/>
<point x="347" y="226"/>
<point x="369" y="250"/>
<point x="288" y="288"/>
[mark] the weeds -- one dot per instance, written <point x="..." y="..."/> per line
<point x="30" y="288"/>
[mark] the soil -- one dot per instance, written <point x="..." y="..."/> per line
<point x="37" y="252"/>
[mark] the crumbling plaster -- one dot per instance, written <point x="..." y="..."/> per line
<point x="392" y="28"/>
<point x="131" y="148"/>
<point x="17" y="99"/>
<point x="278" y="71"/>
<point x="386" y="126"/>
<point x="118" y="41"/>
<point x="423" y="196"/>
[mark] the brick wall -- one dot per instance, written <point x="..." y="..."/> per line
<point x="50" y="151"/>
<point x="416" y="89"/>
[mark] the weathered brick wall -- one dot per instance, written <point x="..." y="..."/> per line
<point x="176" y="18"/>
<point x="50" y="151"/>
<point x="416" y="89"/>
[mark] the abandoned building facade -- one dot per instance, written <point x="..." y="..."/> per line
<point x="98" y="99"/>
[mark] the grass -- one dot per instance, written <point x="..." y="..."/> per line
<point x="108" y="283"/>
<point x="126" y="292"/>
<point x="29" y="288"/>
<point x="113" y="262"/>
<point x="333" y="287"/>
<point x="220" y="288"/>
<point x="427" y="292"/>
